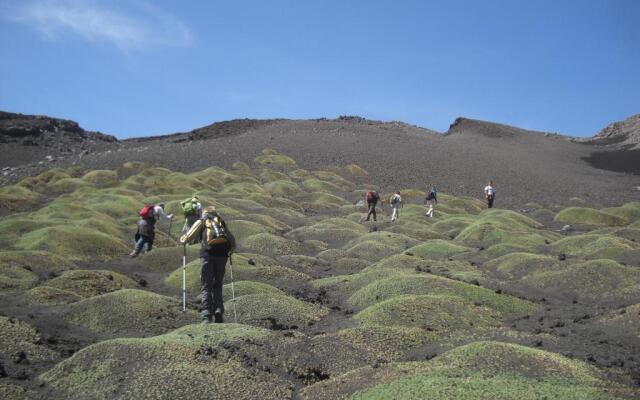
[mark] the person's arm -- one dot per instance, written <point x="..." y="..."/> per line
<point x="193" y="232"/>
<point x="159" y="212"/>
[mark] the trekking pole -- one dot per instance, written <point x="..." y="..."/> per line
<point x="233" y="291"/>
<point x="184" y="278"/>
<point x="169" y="232"/>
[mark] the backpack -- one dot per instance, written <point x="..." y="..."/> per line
<point x="431" y="195"/>
<point x="395" y="199"/>
<point x="371" y="196"/>
<point x="214" y="231"/>
<point x="189" y="206"/>
<point x="146" y="212"/>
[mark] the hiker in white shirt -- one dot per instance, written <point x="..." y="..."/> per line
<point x="396" y="204"/>
<point x="490" y="194"/>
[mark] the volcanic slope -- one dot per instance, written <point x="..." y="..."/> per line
<point x="526" y="166"/>
<point x="472" y="303"/>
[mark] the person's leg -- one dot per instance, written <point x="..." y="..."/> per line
<point x="371" y="210"/>
<point x="207" y="269"/>
<point x="394" y="214"/>
<point x="139" y="245"/>
<point x="218" y="277"/>
<point x="490" y="202"/>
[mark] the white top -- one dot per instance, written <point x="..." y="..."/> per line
<point x="394" y="197"/>
<point x="158" y="213"/>
<point x="490" y="190"/>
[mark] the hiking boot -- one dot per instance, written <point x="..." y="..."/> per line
<point x="133" y="254"/>
<point x="205" y="318"/>
<point x="218" y="316"/>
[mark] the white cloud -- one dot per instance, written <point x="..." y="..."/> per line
<point x="127" y="27"/>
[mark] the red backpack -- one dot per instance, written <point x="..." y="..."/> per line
<point x="146" y="211"/>
<point x="371" y="196"/>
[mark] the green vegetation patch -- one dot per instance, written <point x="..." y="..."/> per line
<point x="492" y="370"/>
<point x="587" y="216"/>
<point x="16" y="277"/>
<point x="242" y="230"/>
<point x="437" y="249"/>
<point x="19" y="336"/>
<point x="273" y="245"/>
<point x="270" y="310"/>
<point x="412" y="284"/>
<point x="88" y="283"/>
<point x="128" y="312"/>
<point x="331" y="230"/>
<point x="277" y="160"/>
<point x="101" y="178"/>
<point x="47" y="295"/>
<point x="73" y="242"/>
<point x="147" y="368"/>
<point x="318" y="185"/>
<point x="389" y="343"/>
<point x="444" y="315"/>
<point x="416" y="230"/>
<point x="283" y="188"/>
<point x="625" y="322"/>
<point x="9" y="391"/>
<point x="629" y="211"/>
<point x="593" y="246"/>
<point x="518" y="265"/>
<point x="596" y="280"/>
<point x="244" y="288"/>
<point x="16" y="198"/>
<point x="40" y="262"/>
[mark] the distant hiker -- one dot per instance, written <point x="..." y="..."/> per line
<point x="192" y="209"/>
<point x="149" y="215"/>
<point x="490" y="194"/>
<point x="217" y="244"/>
<point x="430" y="201"/>
<point x="372" y="197"/>
<point x="396" y="204"/>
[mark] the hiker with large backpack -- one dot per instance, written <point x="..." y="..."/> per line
<point x="149" y="215"/>
<point x="490" y="194"/>
<point x="396" y="204"/>
<point x="430" y="201"/>
<point x="372" y="197"/>
<point x="217" y="245"/>
<point x="192" y="209"/>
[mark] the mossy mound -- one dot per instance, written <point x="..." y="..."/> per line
<point x="269" y="175"/>
<point x="484" y="234"/>
<point x="269" y="221"/>
<point x="101" y="178"/>
<point x="242" y="230"/>
<point x="283" y="188"/>
<point x="587" y="216"/>
<point x="624" y="322"/>
<point x="46" y="179"/>
<point x="318" y="185"/>
<point x="305" y="264"/>
<point x="73" y="242"/>
<point x="335" y="179"/>
<point x="416" y="230"/>
<point x="412" y="284"/>
<point x="47" y="295"/>
<point x="452" y="224"/>
<point x="40" y="262"/>
<point x="68" y="185"/>
<point x="9" y="391"/>
<point x="518" y="265"/>
<point x="19" y="336"/>
<point x="501" y="249"/>
<point x="593" y="246"/>
<point x="16" y="278"/>
<point x="629" y="212"/>
<point x="594" y="281"/>
<point x="494" y="370"/>
<point x="273" y="245"/>
<point x="444" y="315"/>
<point x="437" y="250"/>
<point x="462" y="204"/>
<point x="167" y="259"/>
<point x="16" y="198"/>
<point x="88" y="283"/>
<point x="203" y="356"/>
<point x="128" y="312"/>
<point x="388" y="343"/>
<point x="277" y="160"/>
<point x="275" y="311"/>
<point x="333" y="231"/>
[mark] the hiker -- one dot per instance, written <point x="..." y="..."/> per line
<point x="217" y="245"/>
<point x="149" y="215"/>
<point x="490" y="194"/>
<point x="192" y="209"/>
<point x="430" y="201"/>
<point x="372" y="197"/>
<point x="396" y="204"/>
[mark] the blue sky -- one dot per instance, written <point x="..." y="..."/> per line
<point x="139" y="68"/>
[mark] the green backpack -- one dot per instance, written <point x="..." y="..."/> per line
<point x="190" y="206"/>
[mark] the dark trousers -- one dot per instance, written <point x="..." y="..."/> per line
<point x="489" y="201"/>
<point x="372" y="210"/>
<point x="211" y="275"/>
